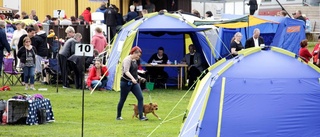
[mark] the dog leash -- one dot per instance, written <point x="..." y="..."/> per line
<point x="150" y="97"/>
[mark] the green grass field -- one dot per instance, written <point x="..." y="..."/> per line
<point x="100" y="114"/>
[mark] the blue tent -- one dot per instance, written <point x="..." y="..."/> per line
<point x="287" y="34"/>
<point x="258" y="93"/>
<point x="149" y="33"/>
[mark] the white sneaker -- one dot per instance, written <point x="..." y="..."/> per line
<point x="32" y="88"/>
<point x="119" y="118"/>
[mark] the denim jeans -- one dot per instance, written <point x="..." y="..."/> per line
<point x="1" y="60"/>
<point x="29" y="74"/>
<point x="101" y="84"/>
<point x="125" y="89"/>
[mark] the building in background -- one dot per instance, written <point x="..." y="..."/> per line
<point x="219" y="7"/>
<point x="76" y="7"/>
<point x="271" y="7"/>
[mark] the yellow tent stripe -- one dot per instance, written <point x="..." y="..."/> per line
<point x="177" y="17"/>
<point x="128" y="23"/>
<point x="249" y="51"/>
<point x="314" y="67"/>
<point x="113" y="42"/>
<point x="147" y="16"/>
<point x="199" y="87"/>
<point x="252" y="21"/>
<point x="280" y="50"/>
<point x="127" y="45"/>
<point x="221" y="106"/>
<point x="210" y="45"/>
<point x="217" y="64"/>
<point x="205" y="104"/>
<point x="300" y="59"/>
<point x="225" y="68"/>
<point x="234" y="25"/>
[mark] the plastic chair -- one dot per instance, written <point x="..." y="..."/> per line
<point x="10" y="74"/>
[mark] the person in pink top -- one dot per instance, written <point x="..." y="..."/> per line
<point x="315" y="51"/>
<point x="98" y="41"/>
<point x="304" y="52"/>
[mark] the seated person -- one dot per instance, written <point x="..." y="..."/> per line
<point x="90" y="60"/>
<point x="255" y="40"/>
<point x="194" y="62"/>
<point x="95" y="74"/>
<point x="236" y="44"/>
<point x="158" y="72"/>
<point x="318" y="61"/>
<point x="304" y="53"/>
<point x="45" y="68"/>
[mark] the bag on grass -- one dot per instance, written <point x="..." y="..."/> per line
<point x="42" y="115"/>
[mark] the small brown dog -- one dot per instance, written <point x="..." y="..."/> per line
<point x="147" y="108"/>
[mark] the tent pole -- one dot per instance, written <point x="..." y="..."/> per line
<point x="248" y="27"/>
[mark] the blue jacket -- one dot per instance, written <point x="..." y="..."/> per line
<point x="131" y="16"/>
<point x="3" y="40"/>
<point x="102" y="9"/>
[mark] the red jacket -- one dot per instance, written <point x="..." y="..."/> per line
<point x="92" y="74"/>
<point x="87" y="15"/>
<point x="315" y="52"/>
<point x="305" y="54"/>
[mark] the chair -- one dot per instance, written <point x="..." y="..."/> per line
<point x="158" y="80"/>
<point x="10" y="74"/>
<point x="52" y="71"/>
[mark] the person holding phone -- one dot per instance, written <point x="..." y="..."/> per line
<point x="129" y="82"/>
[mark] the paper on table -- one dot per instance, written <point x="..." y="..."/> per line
<point x="153" y="64"/>
<point x="141" y="71"/>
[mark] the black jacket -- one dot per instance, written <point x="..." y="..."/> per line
<point x="253" y="4"/>
<point x="3" y="40"/>
<point x="250" y="42"/>
<point x="110" y="17"/>
<point x="301" y="18"/>
<point x="41" y="44"/>
<point x="22" y="54"/>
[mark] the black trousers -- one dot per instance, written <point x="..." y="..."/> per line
<point x="64" y="70"/>
<point x="252" y="12"/>
<point x="193" y="73"/>
<point x="15" y="58"/>
<point x="78" y="75"/>
<point x="113" y="31"/>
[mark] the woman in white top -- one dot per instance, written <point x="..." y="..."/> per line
<point x="15" y="40"/>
